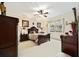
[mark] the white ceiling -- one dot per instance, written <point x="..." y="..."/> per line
<point x="28" y="8"/>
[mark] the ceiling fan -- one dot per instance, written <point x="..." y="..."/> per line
<point x="43" y="12"/>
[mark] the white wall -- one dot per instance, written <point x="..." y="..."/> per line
<point x="34" y="19"/>
<point x="68" y="18"/>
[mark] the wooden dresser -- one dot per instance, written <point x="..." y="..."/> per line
<point x="70" y="45"/>
<point x="70" y="42"/>
<point x="8" y="36"/>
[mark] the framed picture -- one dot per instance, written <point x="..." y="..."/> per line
<point x="57" y="26"/>
<point x="25" y="23"/>
<point x="38" y="24"/>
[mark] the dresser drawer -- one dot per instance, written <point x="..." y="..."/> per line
<point x="9" y="51"/>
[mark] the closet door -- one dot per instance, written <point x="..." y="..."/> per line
<point x="8" y="36"/>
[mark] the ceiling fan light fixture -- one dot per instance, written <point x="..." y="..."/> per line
<point x="42" y="12"/>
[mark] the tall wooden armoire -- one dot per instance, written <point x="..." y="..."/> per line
<point x="8" y="36"/>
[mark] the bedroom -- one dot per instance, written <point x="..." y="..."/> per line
<point x="40" y="26"/>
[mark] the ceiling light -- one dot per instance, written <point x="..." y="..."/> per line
<point x="42" y="12"/>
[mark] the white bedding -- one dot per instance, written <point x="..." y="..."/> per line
<point x="48" y="49"/>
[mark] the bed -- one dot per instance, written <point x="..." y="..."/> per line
<point x="35" y="36"/>
<point x="51" y="48"/>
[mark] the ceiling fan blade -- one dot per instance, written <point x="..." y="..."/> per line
<point x="46" y="13"/>
<point x="40" y="11"/>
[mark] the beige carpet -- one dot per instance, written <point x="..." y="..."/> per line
<point x="26" y="44"/>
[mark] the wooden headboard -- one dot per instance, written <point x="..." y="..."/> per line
<point x="32" y="29"/>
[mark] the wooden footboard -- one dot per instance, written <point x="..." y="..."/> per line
<point x="43" y="38"/>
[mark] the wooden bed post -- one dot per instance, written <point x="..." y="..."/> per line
<point x="76" y="21"/>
